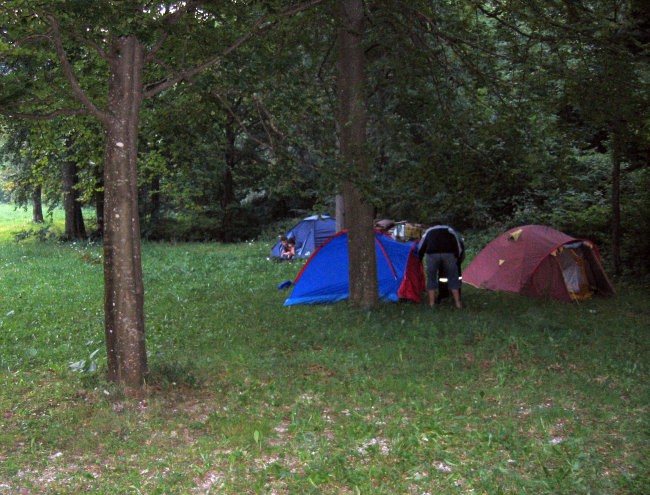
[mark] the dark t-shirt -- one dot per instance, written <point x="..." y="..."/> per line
<point x="439" y="241"/>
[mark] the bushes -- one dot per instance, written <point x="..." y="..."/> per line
<point x="635" y="245"/>
<point x="232" y="224"/>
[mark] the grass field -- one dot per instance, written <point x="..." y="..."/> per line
<point x="510" y="395"/>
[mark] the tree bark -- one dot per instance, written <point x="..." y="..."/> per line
<point x="352" y="127"/>
<point x="364" y="291"/>
<point x="154" y="207"/>
<point x="37" y="204"/>
<point x="74" y="222"/>
<point x="231" y="158"/>
<point x="123" y="286"/>
<point x="99" y="210"/>
<point x="616" y="201"/>
<point x="340" y="212"/>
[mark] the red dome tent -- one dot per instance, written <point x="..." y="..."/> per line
<point x="536" y="260"/>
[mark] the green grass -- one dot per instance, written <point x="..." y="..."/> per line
<point x="511" y="395"/>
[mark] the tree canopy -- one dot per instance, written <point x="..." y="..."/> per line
<point x="516" y="99"/>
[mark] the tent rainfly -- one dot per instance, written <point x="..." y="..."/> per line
<point x="536" y="260"/>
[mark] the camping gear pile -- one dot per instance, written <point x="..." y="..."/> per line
<point x="401" y="231"/>
<point x="536" y="260"/>
<point x="406" y="231"/>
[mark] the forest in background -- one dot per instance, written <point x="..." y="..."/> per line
<point x="484" y="115"/>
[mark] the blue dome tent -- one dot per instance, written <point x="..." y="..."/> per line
<point x="310" y="233"/>
<point x="324" y="278"/>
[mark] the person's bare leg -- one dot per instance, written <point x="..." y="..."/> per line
<point x="432" y="298"/>
<point x="457" y="301"/>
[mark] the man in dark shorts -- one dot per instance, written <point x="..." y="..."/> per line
<point x="444" y="248"/>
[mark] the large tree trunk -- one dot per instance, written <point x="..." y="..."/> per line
<point x="123" y="287"/>
<point x="74" y="221"/>
<point x="37" y="204"/>
<point x="364" y="292"/>
<point x="352" y="128"/>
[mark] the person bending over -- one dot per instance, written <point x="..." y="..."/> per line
<point x="443" y="248"/>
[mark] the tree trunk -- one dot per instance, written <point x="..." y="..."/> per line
<point x="37" y="204"/>
<point x="616" y="201"/>
<point x="154" y="208"/>
<point x="123" y="287"/>
<point x="364" y="291"/>
<point x="74" y="222"/>
<point x="99" y="210"/>
<point x="231" y="156"/>
<point x="340" y="212"/>
<point x="352" y="127"/>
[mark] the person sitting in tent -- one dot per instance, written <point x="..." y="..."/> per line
<point x="288" y="249"/>
<point x="283" y="243"/>
<point x="443" y="248"/>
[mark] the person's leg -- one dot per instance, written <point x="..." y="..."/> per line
<point x="456" y="295"/>
<point x="433" y="264"/>
<point x="443" y="288"/>
<point x="453" y="277"/>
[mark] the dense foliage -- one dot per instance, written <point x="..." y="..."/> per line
<point x="481" y="114"/>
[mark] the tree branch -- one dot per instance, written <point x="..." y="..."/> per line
<point x="450" y="39"/>
<point x="258" y="27"/>
<point x="78" y="91"/>
<point x="236" y="118"/>
<point x="261" y="109"/>
<point x="169" y="19"/>
<point x="61" y="112"/>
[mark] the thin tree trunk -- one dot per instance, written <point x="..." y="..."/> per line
<point x="37" y="204"/>
<point x="123" y="286"/>
<point x="99" y="211"/>
<point x="74" y="222"/>
<point x="616" y="201"/>
<point x="231" y="156"/>
<point x="228" y="182"/>
<point x="352" y="128"/>
<point x="154" y="208"/>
